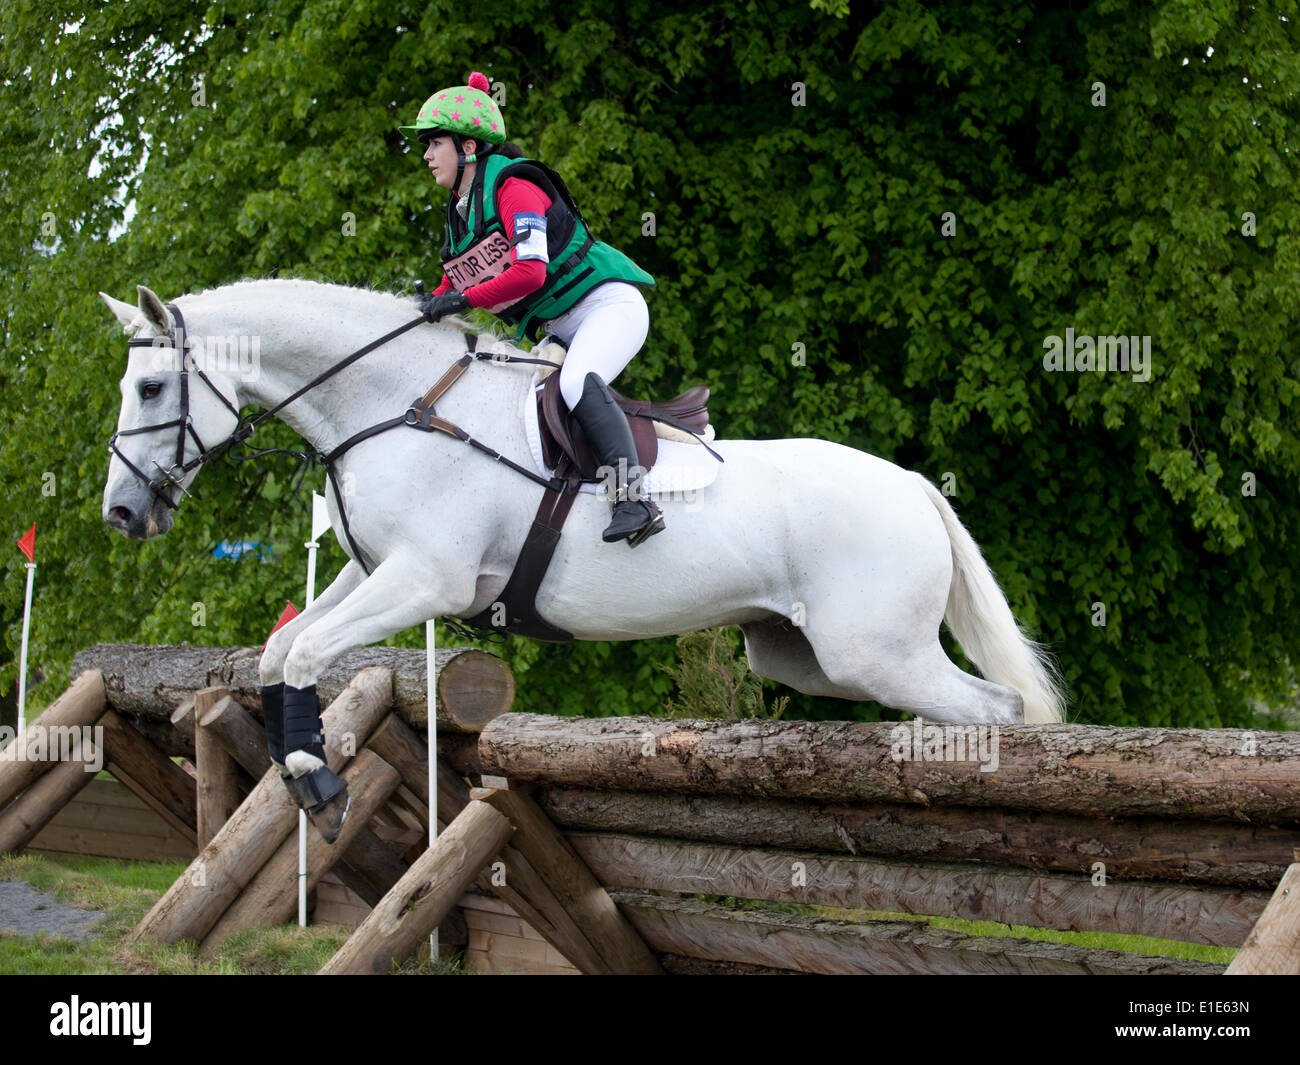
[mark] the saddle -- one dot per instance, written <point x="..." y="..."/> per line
<point x="566" y="451"/>
<point x="562" y="436"/>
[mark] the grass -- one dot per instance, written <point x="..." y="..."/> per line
<point x="1129" y="944"/>
<point x="125" y="891"/>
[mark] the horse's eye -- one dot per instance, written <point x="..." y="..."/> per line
<point x="150" y="390"/>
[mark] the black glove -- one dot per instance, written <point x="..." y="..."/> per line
<point x="434" y="307"/>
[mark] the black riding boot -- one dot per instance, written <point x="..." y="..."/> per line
<point x="610" y="436"/>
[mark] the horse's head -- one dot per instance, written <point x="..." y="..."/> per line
<point x="175" y="413"/>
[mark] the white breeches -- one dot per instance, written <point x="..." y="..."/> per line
<point x="602" y="331"/>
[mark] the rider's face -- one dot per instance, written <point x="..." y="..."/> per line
<point x="440" y="155"/>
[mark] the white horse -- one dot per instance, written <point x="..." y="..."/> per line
<point x="838" y="566"/>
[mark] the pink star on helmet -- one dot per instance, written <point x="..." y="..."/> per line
<point x="494" y="125"/>
<point x="442" y="96"/>
<point x="455" y="114"/>
<point x="460" y="98"/>
<point x="478" y="103"/>
<point x="476" y="121"/>
<point x="434" y="111"/>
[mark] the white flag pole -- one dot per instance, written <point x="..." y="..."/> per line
<point x="431" y="716"/>
<point x="22" y="658"/>
<point x="319" y="523"/>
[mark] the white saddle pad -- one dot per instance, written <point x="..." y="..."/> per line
<point x="680" y="468"/>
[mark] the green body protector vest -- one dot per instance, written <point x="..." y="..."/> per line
<point x="477" y="249"/>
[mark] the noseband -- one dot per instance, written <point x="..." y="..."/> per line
<point x="172" y="476"/>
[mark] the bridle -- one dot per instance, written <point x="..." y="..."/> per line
<point x="171" y="477"/>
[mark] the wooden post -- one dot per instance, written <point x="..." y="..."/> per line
<point x="621" y="949"/>
<point x="183" y="720"/>
<point x="524" y="890"/>
<point x="156" y="779"/>
<point x="193" y="904"/>
<point x="240" y="735"/>
<point x="22" y="820"/>
<point x="272" y="896"/>
<point x="218" y="778"/>
<point x="80" y="704"/>
<point x="1273" y="946"/>
<point x="420" y="900"/>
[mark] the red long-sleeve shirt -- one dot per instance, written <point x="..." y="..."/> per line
<point x="516" y="196"/>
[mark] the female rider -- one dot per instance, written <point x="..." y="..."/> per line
<point x="517" y="245"/>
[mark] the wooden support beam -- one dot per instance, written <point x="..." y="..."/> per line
<point x="193" y="904"/>
<point x="973" y="891"/>
<point x="369" y="867"/>
<point x="1138" y="848"/>
<point x="523" y="888"/>
<point x="1073" y="769"/>
<point x="424" y="896"/>
<point x="159" y="782"/>
<point x="81" y="704"/>
<point x="22" y="820"/>
<point x="239" y="733"/>
<point x="883" y="948"/>
<point x="580" y="894"/>
<point x="217" y="791"/>
<point x="183" y="721"/>
<point x="272" y="896"/>
<point x="1273" y="946"/>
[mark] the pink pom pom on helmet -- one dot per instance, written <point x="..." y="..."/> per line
<point x="478" y="81"/>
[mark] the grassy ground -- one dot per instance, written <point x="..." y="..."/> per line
<point x="125" y="891"/>
<point x="1165" y="948"/>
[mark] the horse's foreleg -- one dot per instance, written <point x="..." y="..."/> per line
<point x="270" y="666"/>
<point x="271" y="671"/>
<point x="396" y="596"/>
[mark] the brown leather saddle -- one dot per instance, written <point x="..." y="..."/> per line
<point x="562" y="436"/>
<point x="566" y="451"/>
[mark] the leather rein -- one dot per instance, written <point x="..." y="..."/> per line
<point x="420" y="415"/>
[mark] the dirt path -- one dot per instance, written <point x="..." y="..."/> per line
<point x="26" y="911"/>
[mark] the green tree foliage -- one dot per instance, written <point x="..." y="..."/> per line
<point x="864" y="220"/>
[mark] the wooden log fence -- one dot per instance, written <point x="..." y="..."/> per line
<point x="620" y="844"/>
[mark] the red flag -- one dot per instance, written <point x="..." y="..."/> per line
<point x="286" y="615"/>
<point x="27" y="543"/>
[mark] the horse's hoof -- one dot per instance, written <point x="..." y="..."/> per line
<point x="329" y="816"/>
<point x="324" y="795"/>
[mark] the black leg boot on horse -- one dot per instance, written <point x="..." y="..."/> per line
<point x="610" y="437"/>
<point x="294" y="732"/>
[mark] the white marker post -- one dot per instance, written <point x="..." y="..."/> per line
<point x="22" y="658"/>
<point x="431" y="715"/>
<point x="319" y="523"/>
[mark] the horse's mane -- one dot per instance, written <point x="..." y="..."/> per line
<point x="495" y="332"/>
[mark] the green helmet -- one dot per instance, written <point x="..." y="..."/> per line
<point x="464" y="109"/>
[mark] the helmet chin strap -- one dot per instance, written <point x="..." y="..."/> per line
<point x="461" y="160"/>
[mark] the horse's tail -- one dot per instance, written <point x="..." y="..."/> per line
<point x="982" y="622"/>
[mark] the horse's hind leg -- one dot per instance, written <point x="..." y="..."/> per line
<point x="921" y="679"/>
<point x="779" y="651"/>
<point x="928" y="684"/>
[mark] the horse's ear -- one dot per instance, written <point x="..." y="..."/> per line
<point x="153" y="310"/>
<point x="124" y="312"/>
